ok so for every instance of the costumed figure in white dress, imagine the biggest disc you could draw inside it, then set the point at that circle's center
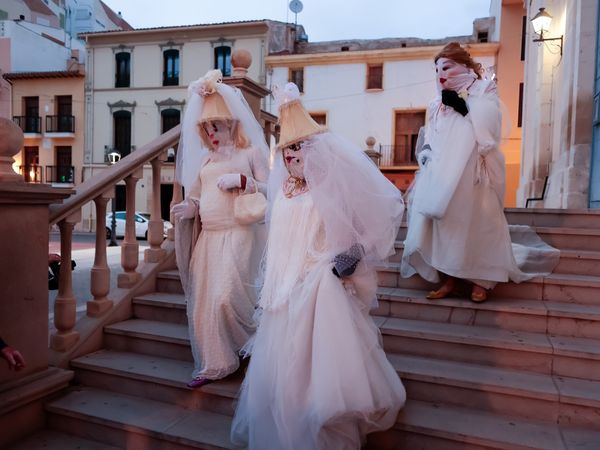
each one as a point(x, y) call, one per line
point(222, 158)
point(456, 225)
point(318, 378)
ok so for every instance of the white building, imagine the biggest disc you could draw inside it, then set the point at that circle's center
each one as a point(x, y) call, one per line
point(374, 88)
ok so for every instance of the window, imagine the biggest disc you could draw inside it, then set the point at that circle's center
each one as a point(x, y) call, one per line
point(122, 132)
point(320, 118)
point(408, 125)
point(32, 114)
point(171, 68)
point(375, 76)
point(63, 121)
point(223, 60)
point(31, 170)
point(64, 169)
point(520, 112)
point(170, 118)
point(482, 36)
point(296, 76)
point(122, 76)
point(524, 36)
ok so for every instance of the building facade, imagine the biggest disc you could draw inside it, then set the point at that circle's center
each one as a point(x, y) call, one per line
point(375, 89)
point(560, 163)
point(136, 86)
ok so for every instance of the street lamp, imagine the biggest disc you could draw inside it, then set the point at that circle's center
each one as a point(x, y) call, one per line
point(113, 158)
point(541, 24)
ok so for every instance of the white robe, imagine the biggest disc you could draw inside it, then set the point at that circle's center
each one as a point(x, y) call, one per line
point(318, 378)
point(220, 278)
point(456, 223)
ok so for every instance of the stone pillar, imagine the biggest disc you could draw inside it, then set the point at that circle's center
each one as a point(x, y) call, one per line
point(371, 152)
point(24, 299)
point(252, 91)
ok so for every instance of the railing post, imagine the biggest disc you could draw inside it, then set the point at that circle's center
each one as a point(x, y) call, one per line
point(100, 273)
point(65, 304)
point(155, 226)
point(130, 247)
point(177, 198)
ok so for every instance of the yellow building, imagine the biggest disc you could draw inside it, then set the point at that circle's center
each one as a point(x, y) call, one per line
point(49, 108)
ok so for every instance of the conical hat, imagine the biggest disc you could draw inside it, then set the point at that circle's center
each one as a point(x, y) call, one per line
point(295, 124)
point(214, 108)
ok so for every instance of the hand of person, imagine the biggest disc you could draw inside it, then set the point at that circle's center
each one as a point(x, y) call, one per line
point(424, 156)
point(229, 181)
point(345, 263)
point(13, 357)
point(187, 209)
point(453, 100)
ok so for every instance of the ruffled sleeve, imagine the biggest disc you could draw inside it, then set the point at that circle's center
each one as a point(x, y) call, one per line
point(485, 115)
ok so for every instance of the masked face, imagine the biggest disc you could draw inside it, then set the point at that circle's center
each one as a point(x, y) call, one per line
point(218, 132)
point(452, 75)
point(293, 158)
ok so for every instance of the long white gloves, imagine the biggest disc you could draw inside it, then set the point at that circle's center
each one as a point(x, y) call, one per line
point(229, 181)
point(187, 209)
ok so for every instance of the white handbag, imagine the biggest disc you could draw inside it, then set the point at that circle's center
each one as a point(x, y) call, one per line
point(249, 208)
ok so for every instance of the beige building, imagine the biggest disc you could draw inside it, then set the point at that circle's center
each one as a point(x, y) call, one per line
point(49, 108)
point(136, 85)
point(560, 162)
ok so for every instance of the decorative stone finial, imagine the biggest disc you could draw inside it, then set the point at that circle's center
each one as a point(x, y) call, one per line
point(371, 152)
point(11, 142)
point(240, 61)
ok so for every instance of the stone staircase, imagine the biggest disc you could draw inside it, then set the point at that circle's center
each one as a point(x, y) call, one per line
point(520, 371)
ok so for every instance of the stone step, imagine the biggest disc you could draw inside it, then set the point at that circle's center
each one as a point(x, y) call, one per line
point(435, 426)
point(537, 316)
point(137, 423)
point(529, 395)
point(169, 281)
point(576, 262)
point(535, 352)
point(555, 287)
point(565, 238)
point(581, 218)
point(55, 440)
point(161, 306)
point(156, 378)
point(149, 337)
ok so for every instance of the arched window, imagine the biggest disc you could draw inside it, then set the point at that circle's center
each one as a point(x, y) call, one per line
point(122, 132)
point(122, 76)
point(223, 59)
point(171, 67)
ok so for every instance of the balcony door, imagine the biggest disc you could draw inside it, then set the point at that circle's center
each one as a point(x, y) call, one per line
point(31, 169)
point(64, 168)
point(122, 132)
point(408, 124)
point(32, 114)
point(64, 109)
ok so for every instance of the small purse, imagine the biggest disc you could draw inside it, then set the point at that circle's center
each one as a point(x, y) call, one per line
point(249, 208)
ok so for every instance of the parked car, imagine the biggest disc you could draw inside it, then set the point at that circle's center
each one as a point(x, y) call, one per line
point(141, 224)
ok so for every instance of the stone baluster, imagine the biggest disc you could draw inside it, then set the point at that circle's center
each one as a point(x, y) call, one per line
point(155, 227)
point(65, 306)
point(100, 273)
point(177, 198)
point(130, 247)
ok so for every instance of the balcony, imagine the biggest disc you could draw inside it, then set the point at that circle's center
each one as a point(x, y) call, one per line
point(32, 174)
point(29, 124)
point(60, 174)
point(60, 124)
point(397, 155)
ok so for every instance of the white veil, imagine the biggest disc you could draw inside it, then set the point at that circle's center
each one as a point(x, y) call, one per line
point(192, 152)
point(355, 201)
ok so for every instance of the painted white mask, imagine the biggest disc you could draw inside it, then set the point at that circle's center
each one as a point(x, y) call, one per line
point(219, 134)
point(452, 75)
point(293, 158)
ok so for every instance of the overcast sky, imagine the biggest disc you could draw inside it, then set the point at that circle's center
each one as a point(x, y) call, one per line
point(323, 20)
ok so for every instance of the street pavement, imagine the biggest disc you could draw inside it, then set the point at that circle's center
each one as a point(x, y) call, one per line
point(83, 254)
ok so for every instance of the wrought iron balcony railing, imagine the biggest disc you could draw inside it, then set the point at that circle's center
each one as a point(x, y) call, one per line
point(60, 174)
point(396, 155)
point(32, 174)
point(60, 124)
point(29, 124)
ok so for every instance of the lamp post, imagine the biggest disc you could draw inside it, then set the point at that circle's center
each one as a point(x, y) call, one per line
point(113, 158)
point(541, 24)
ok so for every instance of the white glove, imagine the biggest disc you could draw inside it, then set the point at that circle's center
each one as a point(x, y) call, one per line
point(229, 181)
point(187, 209)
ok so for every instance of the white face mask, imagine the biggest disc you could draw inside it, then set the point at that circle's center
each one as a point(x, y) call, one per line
point(219, 134)
point(293, 158)
point(452, 75)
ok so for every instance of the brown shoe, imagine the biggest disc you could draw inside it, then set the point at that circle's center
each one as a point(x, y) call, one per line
point(478, 295)
point(440, 293)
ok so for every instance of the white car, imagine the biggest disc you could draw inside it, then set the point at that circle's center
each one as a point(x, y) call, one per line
point(141, 224)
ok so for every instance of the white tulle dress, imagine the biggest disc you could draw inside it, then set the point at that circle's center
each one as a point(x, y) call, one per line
point(318, 378)
point(456, 222)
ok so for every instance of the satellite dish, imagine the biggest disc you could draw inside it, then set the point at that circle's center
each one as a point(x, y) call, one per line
point(296, 6)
